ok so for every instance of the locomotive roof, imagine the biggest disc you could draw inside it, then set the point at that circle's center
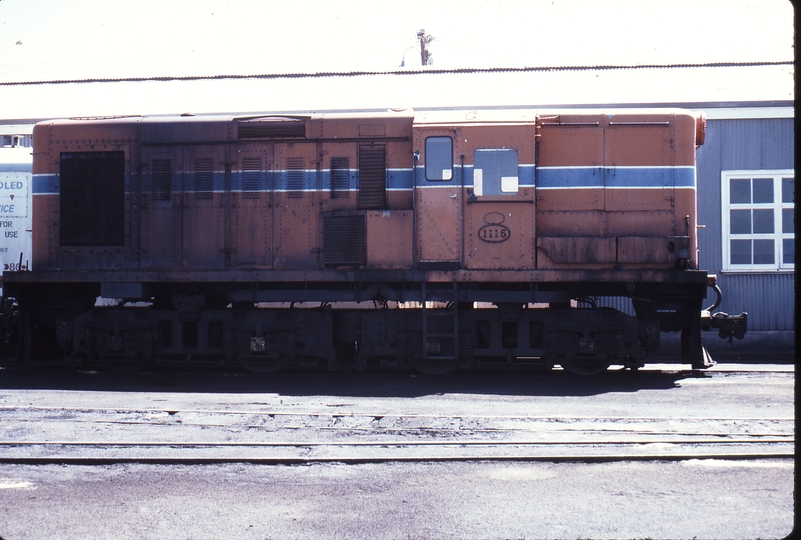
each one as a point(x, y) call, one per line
point(456, 116)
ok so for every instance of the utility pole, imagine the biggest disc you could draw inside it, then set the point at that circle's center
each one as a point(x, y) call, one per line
point(425, 56)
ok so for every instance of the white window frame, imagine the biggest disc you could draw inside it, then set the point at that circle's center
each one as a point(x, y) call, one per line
point(777, 235)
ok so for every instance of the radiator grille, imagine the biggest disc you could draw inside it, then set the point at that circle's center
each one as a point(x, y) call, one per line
point(295, 173)
point(340, 173)
point(162, 179)
point(343, 240)
point(251, 178)
point(372, 177)
point(204, 178)
point(272, 130)
point(92, 199)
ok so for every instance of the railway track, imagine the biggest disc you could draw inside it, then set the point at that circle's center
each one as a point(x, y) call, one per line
point(111, 435)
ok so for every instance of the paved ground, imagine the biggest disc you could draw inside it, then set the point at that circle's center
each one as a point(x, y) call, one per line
point(694, 499)
point(688, 498)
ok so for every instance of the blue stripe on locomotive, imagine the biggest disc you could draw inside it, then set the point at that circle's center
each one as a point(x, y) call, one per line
point(401, 179)
point(615, 177)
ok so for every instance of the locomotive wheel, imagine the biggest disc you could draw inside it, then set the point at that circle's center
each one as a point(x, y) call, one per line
point(584, 366)
point(124, 363)
point(263, 364)
point(434, 366)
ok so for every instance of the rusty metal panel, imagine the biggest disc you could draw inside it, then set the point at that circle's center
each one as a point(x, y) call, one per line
point(570, 156)
point(500, 236)
point(251, 206)
point(651, 249)
point(575, 250)
point(161, 231)
point(296, 234)
point(204, 198)
point(638, 166)
point(642, 223)
point(390, 239)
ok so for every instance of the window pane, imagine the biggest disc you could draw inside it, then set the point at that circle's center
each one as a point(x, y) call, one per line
point(439, 158)
point(788, 190)
point(495, 171)
point(741, 251)
point(788, 246)
point(788, 220)
point(763, 252)
point(763, 221)
point(740, 191)
point(740, 221)
point(763, 190)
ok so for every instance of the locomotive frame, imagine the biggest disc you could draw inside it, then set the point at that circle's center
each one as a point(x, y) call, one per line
point(438, 239)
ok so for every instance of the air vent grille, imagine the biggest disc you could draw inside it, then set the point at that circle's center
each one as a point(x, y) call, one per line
point(92, 199)
point(340, 173)
point(251, 178)
point(372, 176)
point(343, 240)
point(162, 179)
point(295, 176)
point(204, 178)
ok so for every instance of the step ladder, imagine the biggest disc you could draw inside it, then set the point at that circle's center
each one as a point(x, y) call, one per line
point(440, 324)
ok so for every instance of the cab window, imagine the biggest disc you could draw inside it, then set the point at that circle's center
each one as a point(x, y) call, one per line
point(495, 172)
point(439, 158)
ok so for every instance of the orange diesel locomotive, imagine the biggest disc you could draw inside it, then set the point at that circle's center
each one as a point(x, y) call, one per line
point(438, 239)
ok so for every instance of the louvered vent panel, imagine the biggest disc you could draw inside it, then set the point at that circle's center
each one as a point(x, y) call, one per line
point(92, 199)
point(272, 130)
point(204, 178)
point(162, 179)
point(372, 177)
point(251, 178)
point(295, 173)
point(343, 240)
point(340, 173)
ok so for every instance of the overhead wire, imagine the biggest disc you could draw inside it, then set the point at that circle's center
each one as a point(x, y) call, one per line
point(406, 72)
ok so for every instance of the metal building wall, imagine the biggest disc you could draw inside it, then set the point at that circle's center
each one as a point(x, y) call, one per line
point(744, 144)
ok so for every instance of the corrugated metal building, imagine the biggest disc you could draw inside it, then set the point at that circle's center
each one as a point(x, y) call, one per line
point(746, 179)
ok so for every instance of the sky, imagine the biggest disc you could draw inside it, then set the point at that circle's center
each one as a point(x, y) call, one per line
point(45, 40)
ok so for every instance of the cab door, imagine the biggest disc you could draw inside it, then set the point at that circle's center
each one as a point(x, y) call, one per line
point(499, 207)
point(439, 199)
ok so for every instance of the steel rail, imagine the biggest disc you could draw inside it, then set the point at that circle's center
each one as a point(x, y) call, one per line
point(257, 460)
point(433, 429)
point(379, 416)
point(299, 444)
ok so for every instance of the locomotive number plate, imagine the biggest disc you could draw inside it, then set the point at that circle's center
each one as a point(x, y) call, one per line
point(494, 232)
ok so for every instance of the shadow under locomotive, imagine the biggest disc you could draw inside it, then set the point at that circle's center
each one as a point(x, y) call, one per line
point(367, 384)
